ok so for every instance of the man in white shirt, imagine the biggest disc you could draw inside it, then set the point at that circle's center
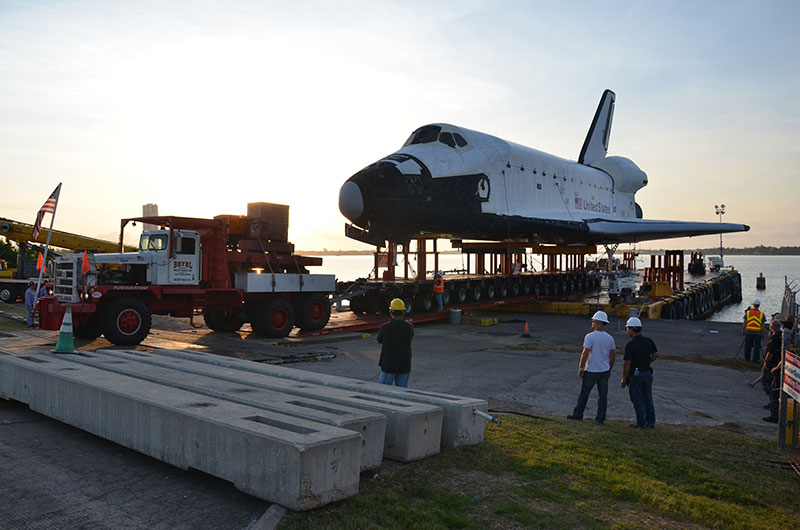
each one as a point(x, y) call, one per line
point(594, 368)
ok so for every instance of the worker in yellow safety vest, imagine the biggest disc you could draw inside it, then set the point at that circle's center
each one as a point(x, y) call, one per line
point(438, 290)
point(753, 330)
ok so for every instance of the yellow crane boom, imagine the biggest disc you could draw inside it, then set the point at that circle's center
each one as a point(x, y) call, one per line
point(23, 233)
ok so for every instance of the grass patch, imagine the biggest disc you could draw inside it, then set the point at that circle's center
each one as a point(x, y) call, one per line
point(533, 473)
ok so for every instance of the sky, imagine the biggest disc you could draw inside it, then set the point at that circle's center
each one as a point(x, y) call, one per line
point(204, 106)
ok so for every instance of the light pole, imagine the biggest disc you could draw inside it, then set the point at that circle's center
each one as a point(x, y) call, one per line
point(720, 211)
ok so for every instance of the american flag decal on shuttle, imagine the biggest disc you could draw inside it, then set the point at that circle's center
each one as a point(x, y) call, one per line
point(578, 203)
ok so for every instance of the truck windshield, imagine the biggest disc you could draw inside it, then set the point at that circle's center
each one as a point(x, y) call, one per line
point(153, 242)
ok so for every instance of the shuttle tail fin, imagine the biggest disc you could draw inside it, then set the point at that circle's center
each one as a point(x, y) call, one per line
point(595, 146)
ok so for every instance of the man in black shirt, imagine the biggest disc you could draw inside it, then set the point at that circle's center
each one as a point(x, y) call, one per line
point(395, 337)
point(637, 374)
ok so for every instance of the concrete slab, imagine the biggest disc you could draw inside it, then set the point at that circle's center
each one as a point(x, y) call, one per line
point(460, 425)
point(413, 430)
point(296, 463)
point(370, 425)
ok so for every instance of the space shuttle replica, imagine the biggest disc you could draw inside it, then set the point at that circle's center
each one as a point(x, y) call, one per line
point(463, 184)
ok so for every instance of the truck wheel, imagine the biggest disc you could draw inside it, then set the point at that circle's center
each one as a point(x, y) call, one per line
point(314, 312)
point(502, 291)
point(515, 289)
point(274, 320)
point(7, 295)
point(126, 322)
point(217, 320)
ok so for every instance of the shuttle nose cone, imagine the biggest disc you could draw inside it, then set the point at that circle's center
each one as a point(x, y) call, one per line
point(351, 201)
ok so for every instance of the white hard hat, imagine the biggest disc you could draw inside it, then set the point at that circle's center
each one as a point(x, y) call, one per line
point(633, 322)
point(756, 302)
point(600, 316)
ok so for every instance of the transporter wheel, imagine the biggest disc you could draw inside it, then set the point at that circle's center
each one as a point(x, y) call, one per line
point(7, 295)
point(217, 320)
point(357, 304)
point(475, 293)
point(526, 287)
point(424, 302)
point(314, 312)
point(537, 289)
point(545, 288)
point(408, 301)
point(490, 292)
point(554, 287)
point(274, 319)
point(515, 289)
point(502, 291)
point(459, 295)
point(126, 322)
point(447, 297)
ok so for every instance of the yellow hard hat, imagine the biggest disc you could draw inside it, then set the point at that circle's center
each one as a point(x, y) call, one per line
point(397, 305)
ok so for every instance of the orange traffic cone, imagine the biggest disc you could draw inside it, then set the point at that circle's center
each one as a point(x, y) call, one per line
point(525, 333)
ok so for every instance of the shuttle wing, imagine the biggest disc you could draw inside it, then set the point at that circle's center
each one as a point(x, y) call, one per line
point(624, 231)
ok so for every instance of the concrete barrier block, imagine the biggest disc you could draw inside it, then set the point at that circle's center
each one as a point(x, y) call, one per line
point(460, 425)
point(293, 462)
point(370, 425)
point(413, 430)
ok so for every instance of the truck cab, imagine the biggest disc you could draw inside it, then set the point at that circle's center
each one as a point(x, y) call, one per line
point(157, 261)
point(179, 267)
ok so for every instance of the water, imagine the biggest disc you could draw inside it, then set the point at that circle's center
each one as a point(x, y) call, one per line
point(774, 268)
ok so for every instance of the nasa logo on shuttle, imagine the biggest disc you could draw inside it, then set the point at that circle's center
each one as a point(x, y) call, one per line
point(484, 189)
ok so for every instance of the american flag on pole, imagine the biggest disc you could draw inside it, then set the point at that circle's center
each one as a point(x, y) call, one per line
point(49, 206)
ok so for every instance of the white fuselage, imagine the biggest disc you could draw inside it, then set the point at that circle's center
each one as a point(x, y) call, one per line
point(526, 182)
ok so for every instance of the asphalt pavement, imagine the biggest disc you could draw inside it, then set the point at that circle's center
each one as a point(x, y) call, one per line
point(56, 476)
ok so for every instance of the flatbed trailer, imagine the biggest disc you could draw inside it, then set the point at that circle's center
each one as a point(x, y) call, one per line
point(494, 271)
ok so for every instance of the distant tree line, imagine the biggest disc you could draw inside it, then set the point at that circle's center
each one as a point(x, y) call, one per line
point(760, 250)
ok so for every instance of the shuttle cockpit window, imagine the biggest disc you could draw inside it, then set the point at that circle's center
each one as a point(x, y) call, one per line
point(424, 135)
point(447, 139)
point(459, 140)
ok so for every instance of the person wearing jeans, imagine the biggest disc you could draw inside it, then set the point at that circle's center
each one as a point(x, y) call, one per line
point(637, 374)
point(594, 368)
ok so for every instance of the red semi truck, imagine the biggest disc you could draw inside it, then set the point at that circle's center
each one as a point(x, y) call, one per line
point(234, 268)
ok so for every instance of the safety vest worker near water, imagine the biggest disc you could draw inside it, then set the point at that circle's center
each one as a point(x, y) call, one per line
point(438, 290)
point(753, 329)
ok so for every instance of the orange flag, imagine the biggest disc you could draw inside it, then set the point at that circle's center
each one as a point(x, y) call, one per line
point(39, 262)
point(85, 266)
